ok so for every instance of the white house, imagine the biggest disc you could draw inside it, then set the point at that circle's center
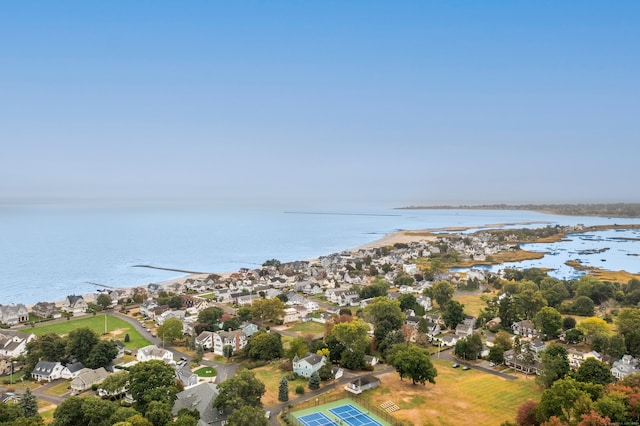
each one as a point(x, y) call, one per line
point(74, 304)
point(13, 314)
point(205, 339)
point(236, 339)
point(13, 343)
point(361, 384)
point(308, 365)
point(625, 366)
point(425, 302)
point(152, 352)
point(47, 371)
point(524, 328)
point(576, 357)
point(291, 315)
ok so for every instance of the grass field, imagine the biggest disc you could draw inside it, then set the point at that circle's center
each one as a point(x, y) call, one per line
point(487, 399)
point(116, 329)
point(309, 327)
point(473, 303)
point(59, 389)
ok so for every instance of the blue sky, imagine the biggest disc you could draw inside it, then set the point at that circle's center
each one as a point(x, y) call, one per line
point(327, 103)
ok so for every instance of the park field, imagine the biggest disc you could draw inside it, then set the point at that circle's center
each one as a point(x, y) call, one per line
point(457, 397)
point(116, 329)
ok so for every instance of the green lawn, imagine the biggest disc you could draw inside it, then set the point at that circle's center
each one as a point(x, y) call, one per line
point(309, 327)
point(487, 399)
point(206, 372)
point(59, 389)
point(116, 329)
point(209, 296)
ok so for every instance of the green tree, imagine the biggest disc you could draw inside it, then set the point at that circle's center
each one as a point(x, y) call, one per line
point(283, 390)
point(442, 292)
point(97, 412)
point(232, 323)
point(49, 347)
point(583, 306)
point(549, 322)
point(122, 414)
point(594, 371)
point(152, 381)
point(496, 354)
point(573, 336)
point(69, 413)
point(336, 348)
point(314, 381)
point(566, 399)
point(377, 288)
point(453, 313)
point(568, 323)
point(243, 389)
point(80, 343)
point(412, 362)
point(116, 385)
point(529, 302)
point(613, 407)
point(170, 330)
point(353, 334)
point(103, 300)
point(264, 346)
point(101, 355)
point(211, 317)
point(267, 310)
point(159, 413)
point(297, 347)
point(248, 415)
point(407, 301)
point(385, 315)
point(592, 326)
point(469, 347)
point(29, 403)
point(227, 351)
point(555, 364)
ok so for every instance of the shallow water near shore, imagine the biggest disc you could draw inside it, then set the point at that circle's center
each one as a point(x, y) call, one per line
point(50, 251)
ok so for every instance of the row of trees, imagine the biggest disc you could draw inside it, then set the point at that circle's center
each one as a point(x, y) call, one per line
point(82, 344)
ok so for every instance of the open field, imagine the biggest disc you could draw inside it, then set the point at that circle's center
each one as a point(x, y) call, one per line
point(473, 303)
point(309, 327)
point(456, 395)
point(116, 329)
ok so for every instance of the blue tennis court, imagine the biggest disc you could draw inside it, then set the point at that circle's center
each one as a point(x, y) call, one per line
point(352, 416)
point(317, 419)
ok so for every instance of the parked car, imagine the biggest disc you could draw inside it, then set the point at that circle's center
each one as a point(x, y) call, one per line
point(492, 364)
point(455, 365)
point(466, 367)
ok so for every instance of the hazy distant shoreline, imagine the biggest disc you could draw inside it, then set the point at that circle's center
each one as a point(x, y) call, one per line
point(601, 210)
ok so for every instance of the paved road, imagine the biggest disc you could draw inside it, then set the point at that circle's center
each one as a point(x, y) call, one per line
point(447, 355)
point(225, 371)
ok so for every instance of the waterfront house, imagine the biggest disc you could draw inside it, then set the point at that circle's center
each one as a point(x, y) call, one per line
point(74, 304)
point(45, 310)
point(13, 314)
point(308, 365)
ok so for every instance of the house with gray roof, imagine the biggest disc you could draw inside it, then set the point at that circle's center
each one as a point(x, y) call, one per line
point(87, 378)
point(625, 366)
point(14, 343)
point(13, 314)
point(45, 310)
point(47, 371)
point(74, 304)
point(201, 398)
point(309, 364)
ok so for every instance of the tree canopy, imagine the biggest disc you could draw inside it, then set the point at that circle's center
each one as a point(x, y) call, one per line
point(243, 389)
point(412, 362)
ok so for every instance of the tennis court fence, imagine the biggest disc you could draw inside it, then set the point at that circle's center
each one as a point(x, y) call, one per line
point(290, 419)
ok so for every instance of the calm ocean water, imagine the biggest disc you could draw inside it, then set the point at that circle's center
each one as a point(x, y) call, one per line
point(50, 251)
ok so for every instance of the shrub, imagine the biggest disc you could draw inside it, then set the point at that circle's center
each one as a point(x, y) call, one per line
point(300, 390)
